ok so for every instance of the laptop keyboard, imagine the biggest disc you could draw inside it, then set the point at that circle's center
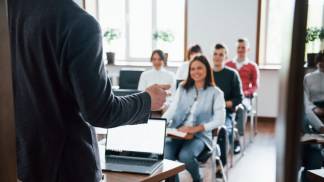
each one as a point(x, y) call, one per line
point(130, 161)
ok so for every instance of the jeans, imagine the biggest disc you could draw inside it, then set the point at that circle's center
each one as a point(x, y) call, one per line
point(185, 151)
point(241, 117)
point(229, 127)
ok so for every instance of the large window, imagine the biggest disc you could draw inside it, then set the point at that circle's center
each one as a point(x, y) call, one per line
point(273, 11)
point(136, 21)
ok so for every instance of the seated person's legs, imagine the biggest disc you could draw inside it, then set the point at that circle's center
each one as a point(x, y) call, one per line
point(189, 151)
point(229, 127)
point(222, 142)
point(172, 149)
point(241, 117)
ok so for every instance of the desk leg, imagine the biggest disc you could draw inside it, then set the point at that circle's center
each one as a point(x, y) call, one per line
point(171, 179)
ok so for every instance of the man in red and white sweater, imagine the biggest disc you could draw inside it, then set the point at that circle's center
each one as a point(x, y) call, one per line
point(247, 69)
point(249, 74)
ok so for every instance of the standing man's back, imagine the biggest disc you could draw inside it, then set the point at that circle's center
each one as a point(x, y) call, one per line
point(60, 89)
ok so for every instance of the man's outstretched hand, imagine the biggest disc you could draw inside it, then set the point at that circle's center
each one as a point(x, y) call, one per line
point(158, 95)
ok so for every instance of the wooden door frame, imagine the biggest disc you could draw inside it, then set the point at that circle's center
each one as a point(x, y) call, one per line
point(288, 125)
point(7, 122)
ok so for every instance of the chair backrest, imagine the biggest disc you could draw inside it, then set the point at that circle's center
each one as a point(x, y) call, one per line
point(129, 78)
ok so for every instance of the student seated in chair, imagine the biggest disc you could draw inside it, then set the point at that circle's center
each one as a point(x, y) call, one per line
point(197, 109)
point(158, 74)
point(182, 72)
point(313, 94)
point(249, 74)
point(228, 80)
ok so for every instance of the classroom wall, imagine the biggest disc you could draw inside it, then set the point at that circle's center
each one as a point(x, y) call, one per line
point(212, 21)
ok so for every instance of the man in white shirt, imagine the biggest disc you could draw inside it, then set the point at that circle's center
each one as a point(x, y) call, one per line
point(158, 74)
point(314, 92)
point(312, 157)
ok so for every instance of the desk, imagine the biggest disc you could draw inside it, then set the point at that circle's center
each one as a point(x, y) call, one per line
point(166, 171)
point(316, 175)
point(312, 138)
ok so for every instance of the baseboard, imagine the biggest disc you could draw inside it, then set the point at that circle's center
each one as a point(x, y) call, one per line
point(267, 119)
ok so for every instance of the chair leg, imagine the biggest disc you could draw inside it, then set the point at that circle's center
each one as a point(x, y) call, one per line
point(224, 176)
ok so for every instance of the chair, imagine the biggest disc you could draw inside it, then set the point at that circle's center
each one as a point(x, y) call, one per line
point(253, 116)
point(129, 78)
point(214, 154)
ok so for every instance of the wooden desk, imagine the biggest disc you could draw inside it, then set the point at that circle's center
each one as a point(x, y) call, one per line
point(316, 175)
point(167, 171)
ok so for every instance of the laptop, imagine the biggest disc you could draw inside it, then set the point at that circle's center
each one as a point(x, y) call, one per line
point(136, 148)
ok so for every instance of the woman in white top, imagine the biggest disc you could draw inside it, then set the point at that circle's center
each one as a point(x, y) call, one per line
point(182, 72)
point(158, 74)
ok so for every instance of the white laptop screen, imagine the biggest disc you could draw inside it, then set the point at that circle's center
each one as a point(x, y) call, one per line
point(146, 138)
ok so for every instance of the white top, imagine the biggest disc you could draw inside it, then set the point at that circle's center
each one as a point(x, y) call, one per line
point(241, 63)
point(182, 72)
point(313, 91)
point(153, 76)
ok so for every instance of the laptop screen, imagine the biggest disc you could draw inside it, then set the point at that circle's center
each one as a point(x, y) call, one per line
point(143, 138)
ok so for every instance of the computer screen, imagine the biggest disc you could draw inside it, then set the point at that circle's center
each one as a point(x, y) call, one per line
point(146, 138)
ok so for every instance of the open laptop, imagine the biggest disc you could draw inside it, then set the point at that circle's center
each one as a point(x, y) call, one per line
point(136, 148)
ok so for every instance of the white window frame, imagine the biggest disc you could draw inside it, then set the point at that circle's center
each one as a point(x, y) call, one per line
point(128, 58)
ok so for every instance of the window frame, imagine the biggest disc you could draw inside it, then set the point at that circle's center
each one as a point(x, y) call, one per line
point(128, 57)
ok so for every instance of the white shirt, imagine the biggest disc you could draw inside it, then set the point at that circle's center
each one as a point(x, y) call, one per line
point(313, 91)
point(241, 63)
point(153, 76)
point(182, 72)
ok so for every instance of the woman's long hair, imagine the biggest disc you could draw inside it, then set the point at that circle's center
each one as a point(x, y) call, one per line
point(209, 80)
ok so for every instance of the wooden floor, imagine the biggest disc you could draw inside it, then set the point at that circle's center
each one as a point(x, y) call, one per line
point(256, 165)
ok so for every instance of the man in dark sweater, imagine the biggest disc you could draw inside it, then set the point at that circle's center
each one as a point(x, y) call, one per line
point(61, 90)
point(229, 82)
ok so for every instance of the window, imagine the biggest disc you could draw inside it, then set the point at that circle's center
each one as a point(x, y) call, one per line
point(271, 40)
point(315, 18)
point(137, 21)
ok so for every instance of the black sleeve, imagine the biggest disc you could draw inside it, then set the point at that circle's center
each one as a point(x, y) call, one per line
point(237, 90)
point(90, 84)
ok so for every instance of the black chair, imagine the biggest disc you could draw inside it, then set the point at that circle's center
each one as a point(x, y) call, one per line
point(129, 78)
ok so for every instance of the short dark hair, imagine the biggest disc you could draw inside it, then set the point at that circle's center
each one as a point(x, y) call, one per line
point(160, 53)
point(244, 40)
point(319, 57)
point(221, 46)
point(209, 80)
point(194, 49)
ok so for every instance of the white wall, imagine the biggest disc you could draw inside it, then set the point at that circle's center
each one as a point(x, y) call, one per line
point(213, 21)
